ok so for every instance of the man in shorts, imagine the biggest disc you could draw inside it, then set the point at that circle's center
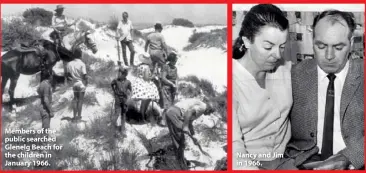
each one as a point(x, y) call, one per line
point(179, 119)
point(157, 47)
point(76, 74)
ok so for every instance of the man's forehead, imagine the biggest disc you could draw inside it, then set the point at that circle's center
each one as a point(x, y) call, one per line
point(332, 21)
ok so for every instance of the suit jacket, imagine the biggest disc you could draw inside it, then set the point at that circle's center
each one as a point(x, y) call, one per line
point(304, 113)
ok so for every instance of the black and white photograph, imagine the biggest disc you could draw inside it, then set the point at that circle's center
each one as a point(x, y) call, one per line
point(298, 87)
point(114, 86)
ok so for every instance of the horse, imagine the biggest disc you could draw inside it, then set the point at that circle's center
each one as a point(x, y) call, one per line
point(29, 60)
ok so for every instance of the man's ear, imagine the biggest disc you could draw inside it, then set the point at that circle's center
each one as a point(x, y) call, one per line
point(247, 42)
point(352, 40)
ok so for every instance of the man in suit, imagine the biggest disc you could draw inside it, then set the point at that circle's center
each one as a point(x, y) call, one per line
point(327, 117)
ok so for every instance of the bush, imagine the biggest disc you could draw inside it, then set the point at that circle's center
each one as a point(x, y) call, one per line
point(221, 101)
point(196, 36)
point(205, 85)
point(182, 22)
point(137, 34)
point(189, 91)
point(16, 32)
point(215, 38)
point(35, 16)
point(113, 23)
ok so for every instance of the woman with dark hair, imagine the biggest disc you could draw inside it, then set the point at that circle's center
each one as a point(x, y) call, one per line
point(262, 93)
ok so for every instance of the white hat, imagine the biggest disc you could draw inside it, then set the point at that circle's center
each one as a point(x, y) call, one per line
point(145, 58)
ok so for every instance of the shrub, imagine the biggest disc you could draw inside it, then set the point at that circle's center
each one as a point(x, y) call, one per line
point(16, 32)
point(205, 85)
point(137, 34)
point(215, 38)
point(182, 22)
point(122, 159)
point(196, 36)
point(221, 101)
point(103, 73)
point(90, 99)
point(113, 23)
point(97, 128)
point(189, 91)
point(35, 16)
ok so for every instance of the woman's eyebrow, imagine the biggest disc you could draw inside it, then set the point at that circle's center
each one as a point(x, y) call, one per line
point(269, 42)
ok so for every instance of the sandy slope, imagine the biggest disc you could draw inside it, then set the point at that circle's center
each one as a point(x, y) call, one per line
point(205, 63)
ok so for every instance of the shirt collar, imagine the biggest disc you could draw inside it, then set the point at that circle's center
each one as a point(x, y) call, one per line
point(340, 75)
point(239, 72)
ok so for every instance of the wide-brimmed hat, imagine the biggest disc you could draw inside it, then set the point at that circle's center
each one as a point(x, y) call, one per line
point(145, 58)
point(59, 7)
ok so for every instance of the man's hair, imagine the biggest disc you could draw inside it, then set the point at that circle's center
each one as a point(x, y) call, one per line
point(123, 70)
point(158, 26)
point(45, 74)
point(172, 57)
point(336, 16)
point(209, 103)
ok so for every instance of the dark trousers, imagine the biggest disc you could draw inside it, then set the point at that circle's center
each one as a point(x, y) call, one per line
point(158, 84)
point(120, 109)
point(158, 59)
point(176, 133)
point(168, 93)
point(46, 120)
point(279, 164)
point(128, 44)
point(316, 158)
point(59, 36)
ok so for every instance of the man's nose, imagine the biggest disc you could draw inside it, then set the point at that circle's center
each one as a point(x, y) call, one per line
point(329, 54)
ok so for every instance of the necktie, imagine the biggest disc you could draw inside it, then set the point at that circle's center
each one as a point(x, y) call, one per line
point(327, 145)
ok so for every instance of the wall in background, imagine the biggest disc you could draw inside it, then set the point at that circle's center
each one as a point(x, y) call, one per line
point(299, 46)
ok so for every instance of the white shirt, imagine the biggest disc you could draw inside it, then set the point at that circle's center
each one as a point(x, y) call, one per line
point(60, 22)
point(124, 30)
point(189, 104)
point(260, 116)
point(323, 82)
point(76, 69)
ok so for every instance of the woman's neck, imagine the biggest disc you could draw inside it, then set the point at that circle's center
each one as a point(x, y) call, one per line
point(248, 63)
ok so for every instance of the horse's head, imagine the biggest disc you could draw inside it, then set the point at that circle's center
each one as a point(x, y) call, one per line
point(90, 42)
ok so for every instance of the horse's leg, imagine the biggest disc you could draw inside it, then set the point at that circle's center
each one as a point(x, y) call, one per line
point(13, 84)
point(53, 82)
point(65, 72)
point(4, 80)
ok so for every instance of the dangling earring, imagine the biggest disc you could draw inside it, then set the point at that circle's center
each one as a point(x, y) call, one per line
point(241, 47)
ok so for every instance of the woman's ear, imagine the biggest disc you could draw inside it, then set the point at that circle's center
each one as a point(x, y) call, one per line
point(246, 41)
